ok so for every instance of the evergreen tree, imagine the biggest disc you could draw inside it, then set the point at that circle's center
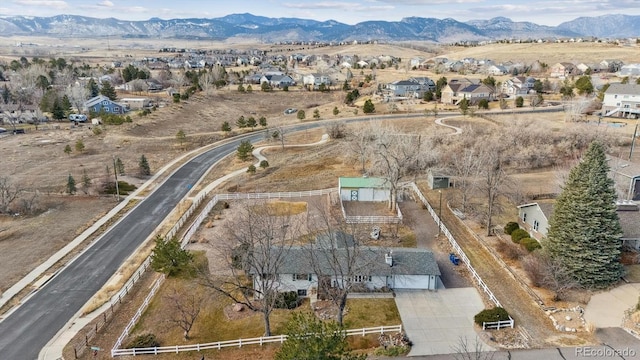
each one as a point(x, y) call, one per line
point(66, 104)
point(368, 107)
point(251, 122)
point(584, 231)
point(226, 127)
point(244, 150)
point(119, 166)
point(94, 90)
point(108, 90)
point(67, 149)
point(6, 94)
point(464, 106)
point(241, 122)
point(57, 111)
point(169, 257)
point(71, 185)
point(143, 165)
point(311, 338)
point(181, 137)
point(80, 146)
point(86, 182)
point(263, 121)
point(519, 101)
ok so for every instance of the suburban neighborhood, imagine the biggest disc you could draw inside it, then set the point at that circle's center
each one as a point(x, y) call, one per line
point(245, 199)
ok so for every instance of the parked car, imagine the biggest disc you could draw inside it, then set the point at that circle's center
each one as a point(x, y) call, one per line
point(290, 111)
point(77, 117)
point(3, 130)
point(18, 131)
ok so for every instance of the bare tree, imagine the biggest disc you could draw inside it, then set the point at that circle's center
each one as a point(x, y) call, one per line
point(466, 168)
point(475, 351)
point(206, 81)
point(361, 144)
point(9, 192)
point(576, 108)
point(77, 95)
point(549, 273)
point(261, 236)
point(494, 178)
point(185, 305)
point(397, 156)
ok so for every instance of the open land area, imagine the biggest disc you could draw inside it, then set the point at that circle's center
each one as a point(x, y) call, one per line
point(543, 146)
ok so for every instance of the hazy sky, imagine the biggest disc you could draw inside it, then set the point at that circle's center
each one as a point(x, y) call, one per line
point(544, 12)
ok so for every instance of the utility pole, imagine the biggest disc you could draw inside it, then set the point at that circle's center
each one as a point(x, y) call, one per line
point(115, 172)
point(633, 141)
point(440, 212)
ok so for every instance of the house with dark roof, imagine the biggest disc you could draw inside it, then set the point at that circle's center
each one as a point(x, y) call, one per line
point(473, 91)
point(534, 218)
point(626, 176)
point(414, 87)
point(622, 100)
point(374, 268)
point(103, 103)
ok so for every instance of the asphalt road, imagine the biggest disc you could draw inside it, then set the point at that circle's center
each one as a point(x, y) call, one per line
point(30, 327)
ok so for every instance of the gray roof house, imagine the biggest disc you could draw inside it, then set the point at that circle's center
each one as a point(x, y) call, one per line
point(622, 100)
point(534, 218)
point(103, 103)
point(626, 176)
point(373, 268)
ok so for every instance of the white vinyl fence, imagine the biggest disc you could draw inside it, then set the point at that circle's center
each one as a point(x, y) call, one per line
point(461, 255)
point(241, 342)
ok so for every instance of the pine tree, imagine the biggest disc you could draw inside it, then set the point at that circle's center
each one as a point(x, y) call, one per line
point(368, 107)
point(80, 146)
point(93, 88)
point(86, 182)
point(226, 127)
point(67, 149)
point(584, 231)
point(57, 111)
point(119, 166)
point(71, 185)
point(143, 164)
point(244, 150)
point(108, 90)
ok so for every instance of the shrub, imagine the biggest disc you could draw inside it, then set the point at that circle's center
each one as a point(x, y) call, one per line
point(251, 169)
point(530, 244)
point(510, 251)
point(510, 227)
point(143, 341)
point(491, 315)
point(287, 300)
point(518, 234)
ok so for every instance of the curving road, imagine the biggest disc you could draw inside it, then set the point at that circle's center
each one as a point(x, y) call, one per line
point(25, 331)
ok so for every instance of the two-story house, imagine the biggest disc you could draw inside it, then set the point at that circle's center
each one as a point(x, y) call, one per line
point(473, 91)
point(622, 100)
point(413, 87)
point(315, 80)
point(103, 103)
point(518, 85)
point(562, 70)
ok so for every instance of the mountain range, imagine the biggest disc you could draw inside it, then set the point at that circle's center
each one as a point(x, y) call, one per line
point(265, 29)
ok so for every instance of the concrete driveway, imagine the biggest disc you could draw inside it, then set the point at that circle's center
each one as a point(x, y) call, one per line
point(606, 309)
point(435, 321)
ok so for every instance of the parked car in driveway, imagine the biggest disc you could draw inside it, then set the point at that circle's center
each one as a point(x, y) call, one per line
point(290, 111)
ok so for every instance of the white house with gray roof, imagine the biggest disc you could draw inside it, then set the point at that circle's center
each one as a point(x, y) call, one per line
point(622, 100)
point(392, 268)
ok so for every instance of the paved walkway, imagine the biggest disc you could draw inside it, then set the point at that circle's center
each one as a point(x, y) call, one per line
point(435, 321)
point(607, 308)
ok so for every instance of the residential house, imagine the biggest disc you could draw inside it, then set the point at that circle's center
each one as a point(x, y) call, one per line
point(363, 189)
point(315, 80)
point(103, 103)
point(458, 89)
point(413, 87)
point(562, 70)
point(611, 65)
point(278, 81)
point(518, 85)
point(632, 70)
point(136, 103)
point(583, 68)
point(534, 218)
point(373, 268)
point(497, 70)
point(626, 176)
point(622, 100)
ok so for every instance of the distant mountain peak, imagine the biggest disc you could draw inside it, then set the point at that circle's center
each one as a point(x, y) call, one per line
point(249, 26)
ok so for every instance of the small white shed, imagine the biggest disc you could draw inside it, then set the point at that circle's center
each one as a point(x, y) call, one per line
point(363, 189)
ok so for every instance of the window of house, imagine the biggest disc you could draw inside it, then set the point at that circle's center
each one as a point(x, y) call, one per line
point(302, 277)
point(302, 292)
point(105, 102)
point(524, 217)
point(535, 225)
point(115, 109)
point(361, 278)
